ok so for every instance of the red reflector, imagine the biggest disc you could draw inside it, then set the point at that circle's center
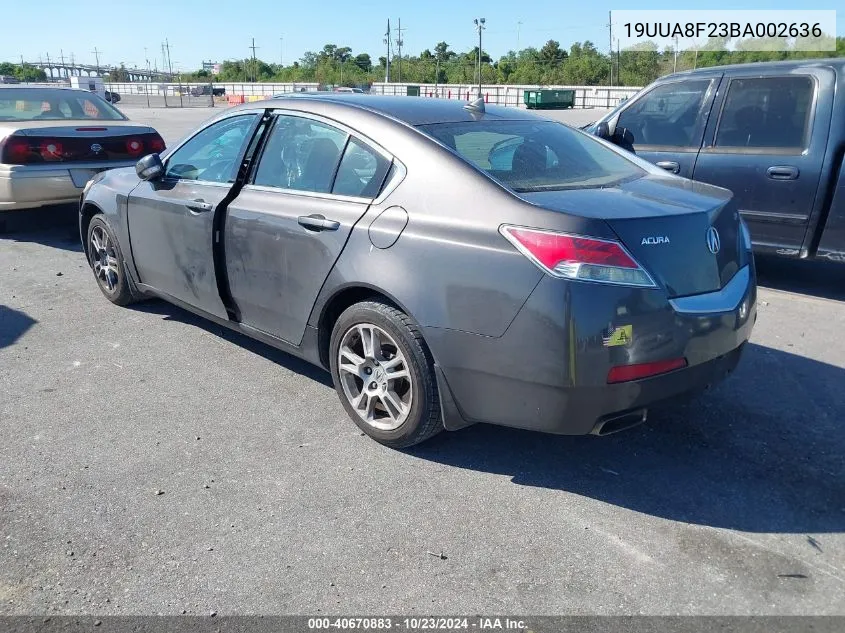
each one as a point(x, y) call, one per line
point(624, 373)
point(51, 150)
point(15, 152)
point(551, 249)
point(91, 129)
point(134, 146)
point(157, 144)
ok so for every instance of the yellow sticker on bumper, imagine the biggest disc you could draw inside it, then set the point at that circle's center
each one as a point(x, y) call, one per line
point(622, 335)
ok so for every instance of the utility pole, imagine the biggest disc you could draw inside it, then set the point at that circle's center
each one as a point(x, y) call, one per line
point(23, 69)
point(618, 63)
point(479, 25)
point(610, 39)
point(97, 58)
point(282, 51)
point(518, 28)
point(62, 57)
point(49, 66)
point(387, 59)
point(675, 67)
point(254, 66)
point(399, 43)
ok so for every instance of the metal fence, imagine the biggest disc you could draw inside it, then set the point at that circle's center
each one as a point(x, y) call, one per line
point(204, 95)
point(509, 95)
point(185, 95)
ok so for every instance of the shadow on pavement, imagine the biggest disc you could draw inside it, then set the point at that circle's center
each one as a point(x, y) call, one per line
point(762, 452)
point(821, 278)
point(13, 325)
point(52, 226)
point(292, 363)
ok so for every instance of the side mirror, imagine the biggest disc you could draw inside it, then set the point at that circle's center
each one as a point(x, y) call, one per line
point(149, 167)
point(625, 138)
point(603, 130)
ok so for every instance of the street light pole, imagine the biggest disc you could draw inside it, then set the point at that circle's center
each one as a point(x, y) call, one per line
point(479, 25)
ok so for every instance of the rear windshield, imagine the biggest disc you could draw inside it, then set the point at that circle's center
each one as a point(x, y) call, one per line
point(38, 104)
point(535, 155)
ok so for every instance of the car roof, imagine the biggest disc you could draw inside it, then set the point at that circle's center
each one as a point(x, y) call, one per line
point(410, 110)
point(836, 62)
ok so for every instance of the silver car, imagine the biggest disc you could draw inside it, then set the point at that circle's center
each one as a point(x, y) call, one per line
point(53, 141)
point(447, 264)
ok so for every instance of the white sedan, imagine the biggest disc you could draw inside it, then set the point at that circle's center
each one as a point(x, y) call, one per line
point(53, 141)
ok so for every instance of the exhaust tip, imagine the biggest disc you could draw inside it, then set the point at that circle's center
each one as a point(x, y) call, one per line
point(617, 423)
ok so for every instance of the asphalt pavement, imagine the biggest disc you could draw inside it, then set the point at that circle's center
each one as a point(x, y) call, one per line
point(153, 462)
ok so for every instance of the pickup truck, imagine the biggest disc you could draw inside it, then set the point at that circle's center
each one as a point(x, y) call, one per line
point(198, 91)
point(773, 133)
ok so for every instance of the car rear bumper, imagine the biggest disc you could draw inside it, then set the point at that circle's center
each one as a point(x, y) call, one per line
point(28, 187)
point(549, 371)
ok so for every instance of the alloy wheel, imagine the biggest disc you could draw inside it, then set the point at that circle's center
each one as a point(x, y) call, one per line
point(104, 259)
point(375, 376)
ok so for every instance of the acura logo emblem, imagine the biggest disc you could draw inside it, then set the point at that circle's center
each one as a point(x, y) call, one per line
point(96, 147)
point(713, 242)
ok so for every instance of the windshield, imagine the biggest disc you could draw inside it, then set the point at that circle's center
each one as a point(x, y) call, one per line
point(38, 104)
point(535, 155)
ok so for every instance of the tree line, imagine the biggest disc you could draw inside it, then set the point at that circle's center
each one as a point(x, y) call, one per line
point(582, 64)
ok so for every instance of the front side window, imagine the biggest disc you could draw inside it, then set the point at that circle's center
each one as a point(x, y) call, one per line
point(213, 154)
point(38, 104)
point(535, 155)
point(668, 116)
point(300, 154)
point(766, 112)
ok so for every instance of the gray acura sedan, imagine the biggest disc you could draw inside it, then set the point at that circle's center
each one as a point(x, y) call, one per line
point(447, 263)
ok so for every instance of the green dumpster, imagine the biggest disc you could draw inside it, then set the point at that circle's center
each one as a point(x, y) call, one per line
point(549, 99)
point(413, 91)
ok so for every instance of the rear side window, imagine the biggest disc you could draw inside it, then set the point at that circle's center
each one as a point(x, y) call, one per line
point(766, 112)
point(361, 172)
point(535, 155)
point(668, 116)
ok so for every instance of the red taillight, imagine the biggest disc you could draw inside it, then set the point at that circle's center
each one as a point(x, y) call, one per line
point(156, 143)
point(624, 373)
point(15, 151)
point(578, 257)
point(51, 149)
point(134, 146)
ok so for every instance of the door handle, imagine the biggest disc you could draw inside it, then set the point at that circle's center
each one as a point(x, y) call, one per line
point(782, 172)
point(317, 222)
point(199, 206)
point(669, 165)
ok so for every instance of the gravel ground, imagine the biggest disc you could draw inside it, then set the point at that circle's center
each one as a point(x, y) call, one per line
point(156, 463)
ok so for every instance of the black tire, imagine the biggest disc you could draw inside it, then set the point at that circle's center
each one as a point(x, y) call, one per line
point(423, 419)
point(121, 291)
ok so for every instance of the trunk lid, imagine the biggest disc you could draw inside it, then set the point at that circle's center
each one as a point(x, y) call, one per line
point(664, 224)
point(86, 141)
